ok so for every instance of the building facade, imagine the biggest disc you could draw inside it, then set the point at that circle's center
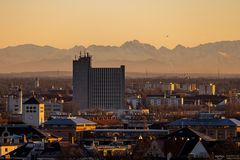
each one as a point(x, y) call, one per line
point(68, 128)
point(33, 112)
point(207, 89)
point(208, 124)
point(52, 108)
point(97, 88)
point(15, 102)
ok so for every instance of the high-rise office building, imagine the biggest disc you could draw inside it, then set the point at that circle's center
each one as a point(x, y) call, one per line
point(97, 88)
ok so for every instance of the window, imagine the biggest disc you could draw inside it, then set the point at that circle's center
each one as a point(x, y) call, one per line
point(6, 149)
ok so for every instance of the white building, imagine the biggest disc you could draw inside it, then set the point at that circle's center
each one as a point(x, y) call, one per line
point(148, 85)
point(33, 112)
point(135, 101)
point(153, 100)
point(207, 89)
point(167, 87)
point(175, 101)
point(199, 151)
point(52, 108)
point(158, 100)
point(187, 87)
point(36, 83)
point(15, 102)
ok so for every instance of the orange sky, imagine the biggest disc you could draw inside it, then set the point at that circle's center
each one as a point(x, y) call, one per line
point(65, 23)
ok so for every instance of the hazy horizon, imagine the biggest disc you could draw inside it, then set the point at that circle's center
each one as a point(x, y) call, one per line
point(212, 58)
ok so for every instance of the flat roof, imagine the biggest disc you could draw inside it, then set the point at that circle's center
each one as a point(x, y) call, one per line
point(206, 122)
point(69, 121)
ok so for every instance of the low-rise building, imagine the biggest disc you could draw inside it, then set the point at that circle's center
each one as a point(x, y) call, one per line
point(207, 89)
point(52, 108)
point(160, 100)
point(206, 123)
point(15, 101)
point(154, 100)
point(33, 112)
point(125, 136)
point(185, 143)
point(69, 128)
point(6, 148)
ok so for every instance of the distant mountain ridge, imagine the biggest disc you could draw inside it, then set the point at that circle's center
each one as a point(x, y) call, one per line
point(223, 57)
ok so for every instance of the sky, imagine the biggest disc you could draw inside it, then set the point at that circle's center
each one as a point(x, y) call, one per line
point(66, 23)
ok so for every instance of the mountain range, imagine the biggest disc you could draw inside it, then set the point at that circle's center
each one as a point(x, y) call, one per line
point(210, 58)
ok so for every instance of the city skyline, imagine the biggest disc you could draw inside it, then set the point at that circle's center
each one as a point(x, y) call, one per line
point(119, 79)
point(64, 24)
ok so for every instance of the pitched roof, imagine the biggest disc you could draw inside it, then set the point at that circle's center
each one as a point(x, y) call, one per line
point(22, 151)
point(181, 142)
point(188, 133)
point(68, 121)
point(226, 147)
point(23, 129)
point(32, 100)
point(51, 150)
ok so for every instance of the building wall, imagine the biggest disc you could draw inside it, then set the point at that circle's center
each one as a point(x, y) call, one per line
point(5, 149)
point(68, 131)
point(33, 114)
point(169, 101)
point(80, 82)
point(167, 87)
point(215, 132)
point(97, 88)
point(64, 131)
point(106, 89)
point(52, 108)
point(15, 103)
point(207, 89)
point(154, 101)
point(199, 151)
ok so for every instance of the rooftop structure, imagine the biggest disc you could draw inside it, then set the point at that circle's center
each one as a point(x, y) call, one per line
point(33, 112)
point(68, 128)
point(69, 121)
